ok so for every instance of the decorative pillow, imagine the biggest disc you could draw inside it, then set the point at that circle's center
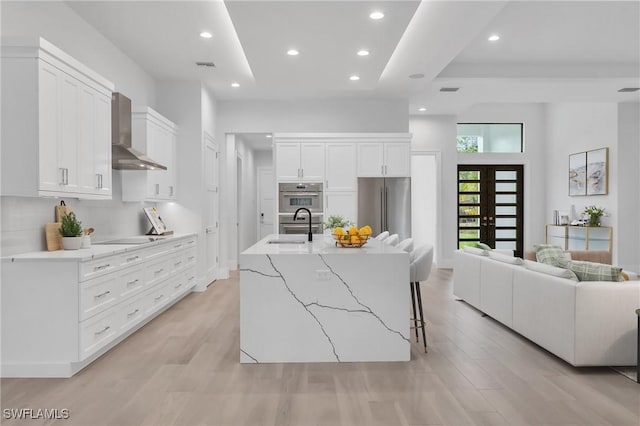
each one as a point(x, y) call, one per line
point(474, 250)
point(483, 246)
point(506, 259)
point(590, 271)
point(548, 254)
point(550, 270)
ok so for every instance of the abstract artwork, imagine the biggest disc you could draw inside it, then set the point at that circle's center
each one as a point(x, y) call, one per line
point(578, 173)
point(597, 172)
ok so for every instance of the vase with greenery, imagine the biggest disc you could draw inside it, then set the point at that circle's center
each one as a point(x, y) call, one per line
point(71, 231)
point(335, 221)
point(594, 214)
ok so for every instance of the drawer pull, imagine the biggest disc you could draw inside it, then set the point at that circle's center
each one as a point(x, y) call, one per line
point(190, 258)
point(97, 333)
point(178, 263)
point(159, 271)
point(191, 279)
point(177, 246)
point(158, 298)
point(177, 285)
point(130, 283)
point(130, 314)
point(101, 267)
point(98, 296)
point(131, 259)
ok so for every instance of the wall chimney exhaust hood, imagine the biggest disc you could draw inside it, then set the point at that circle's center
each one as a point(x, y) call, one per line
point(123, 156)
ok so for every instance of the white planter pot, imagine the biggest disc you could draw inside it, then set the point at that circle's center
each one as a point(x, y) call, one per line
point(71, 243)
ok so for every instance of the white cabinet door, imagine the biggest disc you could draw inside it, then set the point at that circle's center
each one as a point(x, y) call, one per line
point(340, 168)
point(50, 174)
point(370, 159)
point(288, 161)
point(155, 178)
point(87, 182)
point(312, 161)
point(397, 159)
point(68, 137)
point(344, 204)
point(102, 146)
point(170, 152)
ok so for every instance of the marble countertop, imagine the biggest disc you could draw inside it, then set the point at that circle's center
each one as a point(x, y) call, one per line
point(321, 244)
point(96, 251)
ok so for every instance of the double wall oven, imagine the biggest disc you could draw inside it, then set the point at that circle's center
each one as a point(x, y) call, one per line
point(292, 196)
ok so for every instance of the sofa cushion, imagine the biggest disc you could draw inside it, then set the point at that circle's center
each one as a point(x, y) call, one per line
point(483, 246)
point(548, 254)
point(506, 259)
point(550, 270)
point(591, 271)
point(475, 250)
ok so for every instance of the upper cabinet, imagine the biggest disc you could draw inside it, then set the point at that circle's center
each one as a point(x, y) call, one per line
point(340, 170)
point(300, 161)
point(56, 125)
point(384, 159)
point(156, 136)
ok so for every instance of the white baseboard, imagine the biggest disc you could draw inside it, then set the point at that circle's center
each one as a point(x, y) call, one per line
point(445, 264)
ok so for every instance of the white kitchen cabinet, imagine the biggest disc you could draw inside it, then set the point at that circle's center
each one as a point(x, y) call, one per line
point(62, 310)
point(342, 203)
point(155, 136)
point(56, 125)
point(340, 167)
point(384, 159)
point(300, 161)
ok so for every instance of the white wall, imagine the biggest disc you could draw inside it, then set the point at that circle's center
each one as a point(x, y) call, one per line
point(264, 116)
point(575, 128)
point(247, 217)
point(23, 219)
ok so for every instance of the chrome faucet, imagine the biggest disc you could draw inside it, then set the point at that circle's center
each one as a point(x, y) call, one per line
point(295, 215)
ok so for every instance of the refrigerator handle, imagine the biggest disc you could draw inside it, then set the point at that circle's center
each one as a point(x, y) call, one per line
point(382, 210)
point(386, 208)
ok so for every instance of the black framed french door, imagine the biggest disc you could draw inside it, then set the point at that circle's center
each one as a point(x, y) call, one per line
point(491, 206)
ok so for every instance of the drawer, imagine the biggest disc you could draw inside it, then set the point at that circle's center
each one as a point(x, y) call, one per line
point(97, 332)
point(190, 257)
point(132, 312)
point(157, 251)
point(95, 268)
point(133, 258)
point(98, 295)
point(158, 271)
point(177, 263)
point(131, 281)
point(157, 298)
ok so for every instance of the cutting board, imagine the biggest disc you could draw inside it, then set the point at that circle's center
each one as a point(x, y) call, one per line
point(52, 233)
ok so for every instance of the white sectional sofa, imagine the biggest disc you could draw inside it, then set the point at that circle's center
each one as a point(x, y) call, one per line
point(584, 323)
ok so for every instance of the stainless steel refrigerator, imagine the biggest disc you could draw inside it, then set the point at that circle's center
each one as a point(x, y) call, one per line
point(385, 205)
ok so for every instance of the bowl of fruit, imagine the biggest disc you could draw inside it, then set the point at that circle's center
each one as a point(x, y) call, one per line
point(353, 237)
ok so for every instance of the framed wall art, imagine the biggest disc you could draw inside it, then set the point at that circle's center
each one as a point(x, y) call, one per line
point(578, 174)
point(597, 178)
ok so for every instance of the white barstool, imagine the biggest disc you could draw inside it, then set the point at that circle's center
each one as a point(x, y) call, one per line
point(420, 268)
point(406, 245)
point(382, 236)
point(392, 240)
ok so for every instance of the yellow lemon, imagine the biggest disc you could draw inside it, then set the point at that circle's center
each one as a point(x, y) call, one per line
point(355, 239)
point(339, 231)
point(365, 230)
point(353, 231)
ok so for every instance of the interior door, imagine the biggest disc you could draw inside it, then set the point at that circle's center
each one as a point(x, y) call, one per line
point(211, 168)
point(491, 206)
point(266, 202)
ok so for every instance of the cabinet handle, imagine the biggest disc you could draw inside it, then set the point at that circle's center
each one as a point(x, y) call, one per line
point(171, 191)
point(157, 189)
point(158, 298)
point(178, 263)
point(130, 283)
point(131, 259)
point(177, 246)
point(159, 271)
point(191, 279)
point(98, 181)
point(101, 267)
point(382, 170)
point(97, 333)
point(61, 175)
point(385, 169)
point(190, 258)
point(301, 173)
point(130, 314)
point(66, 176)
point(178, 285)
point(101, 295)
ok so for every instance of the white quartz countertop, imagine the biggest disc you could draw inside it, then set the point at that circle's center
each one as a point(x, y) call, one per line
point(321, 244)
point(96, 251)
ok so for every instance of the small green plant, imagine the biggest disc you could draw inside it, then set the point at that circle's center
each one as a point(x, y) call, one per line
point(71, 226)
point(595, 214)
point(334, 221)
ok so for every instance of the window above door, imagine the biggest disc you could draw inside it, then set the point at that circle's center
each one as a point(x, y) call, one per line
point(490, 137)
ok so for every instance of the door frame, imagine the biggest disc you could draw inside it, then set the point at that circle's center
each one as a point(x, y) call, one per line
point(259, 171)
point(439, 207)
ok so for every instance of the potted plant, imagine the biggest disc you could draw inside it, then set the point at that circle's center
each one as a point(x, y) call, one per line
point(335, 221)
point(594, 215)
point(71, 231)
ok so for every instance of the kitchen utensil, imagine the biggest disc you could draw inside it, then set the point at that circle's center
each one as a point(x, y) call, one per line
point(53, 237)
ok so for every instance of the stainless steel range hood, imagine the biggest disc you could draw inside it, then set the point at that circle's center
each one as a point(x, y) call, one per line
point(123, 156)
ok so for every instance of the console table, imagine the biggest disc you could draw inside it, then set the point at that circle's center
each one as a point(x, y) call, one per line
point(580, 237)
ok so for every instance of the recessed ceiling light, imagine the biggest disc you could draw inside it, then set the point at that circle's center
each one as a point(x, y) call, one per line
point(363, 52)
point(376, 15)
point(422, 109)
point(206, 34)
point(292, 52)
point(354, 78)
point(416, 76)
point(494, 37)
point(629, 89)
point(234, 84)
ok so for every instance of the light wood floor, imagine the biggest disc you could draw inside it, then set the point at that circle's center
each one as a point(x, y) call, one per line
point(182, 369)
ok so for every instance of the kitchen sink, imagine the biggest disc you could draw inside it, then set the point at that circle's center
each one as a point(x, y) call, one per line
point(285, 242)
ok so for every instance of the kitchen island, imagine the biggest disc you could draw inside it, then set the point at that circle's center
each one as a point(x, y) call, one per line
point(315, 302)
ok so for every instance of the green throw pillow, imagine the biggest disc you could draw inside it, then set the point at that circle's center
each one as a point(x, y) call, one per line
point(548, 254)
point(591, 271)
point(483, 246)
